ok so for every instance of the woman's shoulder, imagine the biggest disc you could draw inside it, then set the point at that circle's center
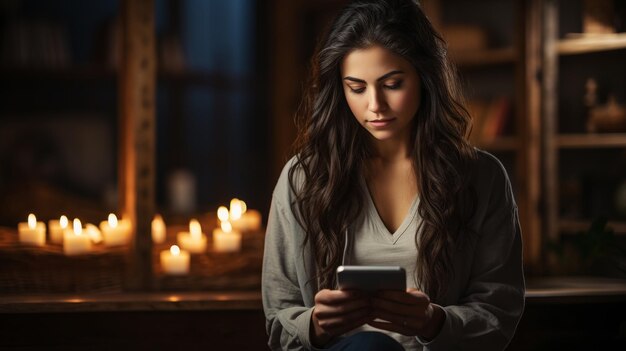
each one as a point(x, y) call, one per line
point(290, 177)
point(487, 171)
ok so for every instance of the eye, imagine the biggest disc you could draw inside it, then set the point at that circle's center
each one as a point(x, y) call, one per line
point(394, 85)
point(356, 90)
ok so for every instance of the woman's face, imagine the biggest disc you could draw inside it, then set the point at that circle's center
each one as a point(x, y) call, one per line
point(382, 90)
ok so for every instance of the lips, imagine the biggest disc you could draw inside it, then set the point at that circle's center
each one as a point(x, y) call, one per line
point(381, 123)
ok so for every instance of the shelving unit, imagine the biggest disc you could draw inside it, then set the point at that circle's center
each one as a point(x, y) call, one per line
point(506, 69)
point(564, 134)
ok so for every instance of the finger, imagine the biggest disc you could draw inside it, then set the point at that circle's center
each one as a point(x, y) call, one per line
point(346, 322)
point(392, 327)
point(326, 311)
point(406, 297)
point(412, 322)
point(333, 297)
point(416, 308)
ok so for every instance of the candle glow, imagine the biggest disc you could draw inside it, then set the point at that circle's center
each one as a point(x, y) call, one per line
point(195, 229)
point(78, 228)
point(32, 232)
point(63, 222)
point(32, 221)
point(158, 229)
point(74, 243)
point(112, 220)
point(222, 213)
point(175, 261)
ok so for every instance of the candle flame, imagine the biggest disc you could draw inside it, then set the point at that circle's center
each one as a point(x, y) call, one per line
point(222, 213)
point(235, 209)
point(226, 227)
point(112, 220)
point(158, 222)
point(175, 250)
point(194, 228)
point(63, 222)
point(244, 207)
point(32, 221)
point(78, 228)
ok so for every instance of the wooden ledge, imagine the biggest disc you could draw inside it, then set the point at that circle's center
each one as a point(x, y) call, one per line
point(575, 289)
point(185, 301)
point(548, 290)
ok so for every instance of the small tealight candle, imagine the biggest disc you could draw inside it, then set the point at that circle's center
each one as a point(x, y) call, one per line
point(56, 227)
point(175, 261)
point(115, 232)
point(193, 241)
point(158, 229)
point(93, 233)
point(32, 232)
point(240, 217)
point(74, 241)
point(225, 239)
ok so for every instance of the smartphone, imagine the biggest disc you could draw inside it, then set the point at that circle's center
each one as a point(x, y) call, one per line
point(371, 278)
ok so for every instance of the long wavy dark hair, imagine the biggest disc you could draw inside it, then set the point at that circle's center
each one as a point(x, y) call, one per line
point(332, 148)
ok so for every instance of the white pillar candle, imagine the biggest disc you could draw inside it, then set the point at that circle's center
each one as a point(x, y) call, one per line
point(175, 261)
point(158, 229)
point(56, 227)
point(32, 232)
point(115, 232)
point(193, 241)
point(74, 241)
point(225, 239)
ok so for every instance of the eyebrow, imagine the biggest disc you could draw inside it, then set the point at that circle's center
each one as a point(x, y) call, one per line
point(383, 77)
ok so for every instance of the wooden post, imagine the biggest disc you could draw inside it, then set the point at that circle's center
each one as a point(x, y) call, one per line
point(529, 126)
point(286, 89)
point(137, 83)
point(550, 100)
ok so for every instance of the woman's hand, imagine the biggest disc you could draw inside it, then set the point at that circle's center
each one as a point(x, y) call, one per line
point(409, 313)
point(337, 312)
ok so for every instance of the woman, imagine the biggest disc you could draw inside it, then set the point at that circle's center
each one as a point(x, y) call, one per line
point(384, 175)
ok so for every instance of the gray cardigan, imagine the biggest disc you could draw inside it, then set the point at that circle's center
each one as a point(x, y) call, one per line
point(485, 296)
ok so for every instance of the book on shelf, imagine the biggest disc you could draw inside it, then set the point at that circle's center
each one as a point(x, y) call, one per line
point(490, 119)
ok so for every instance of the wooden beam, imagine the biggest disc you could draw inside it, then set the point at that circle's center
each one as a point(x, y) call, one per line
point(286, 88)
point(529, 126)
point(137, 84)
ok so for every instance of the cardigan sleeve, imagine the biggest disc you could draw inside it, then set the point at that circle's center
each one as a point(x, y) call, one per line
point(287, 316)
point(490, 307)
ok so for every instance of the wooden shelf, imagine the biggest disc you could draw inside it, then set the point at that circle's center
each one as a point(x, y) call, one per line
point(571, 226)
point(591, 43)
point(202, 78)
point(608, 140)
point(483, 57)
point(506, 143)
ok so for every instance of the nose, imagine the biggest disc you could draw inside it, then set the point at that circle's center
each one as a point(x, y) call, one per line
point(377, 101)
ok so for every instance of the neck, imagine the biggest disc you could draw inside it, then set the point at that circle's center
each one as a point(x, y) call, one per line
point(392, 150)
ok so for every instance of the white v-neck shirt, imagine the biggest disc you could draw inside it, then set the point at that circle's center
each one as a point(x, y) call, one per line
point(372, 244)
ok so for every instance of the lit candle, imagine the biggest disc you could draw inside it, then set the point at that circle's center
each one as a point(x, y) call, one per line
point(74, 241)
point(32, 232)
point(158, 229)
point(175, 261)
point(241, 218)
point(225, 239)
point(115, 232)
point(252, 220)
point(56, 227)
point(193, 241)
point(93, 233)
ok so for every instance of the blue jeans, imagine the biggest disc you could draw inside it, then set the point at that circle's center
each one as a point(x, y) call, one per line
point(367, 341)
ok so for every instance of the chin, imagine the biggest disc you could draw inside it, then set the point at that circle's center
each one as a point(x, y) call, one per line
point(382, 135)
